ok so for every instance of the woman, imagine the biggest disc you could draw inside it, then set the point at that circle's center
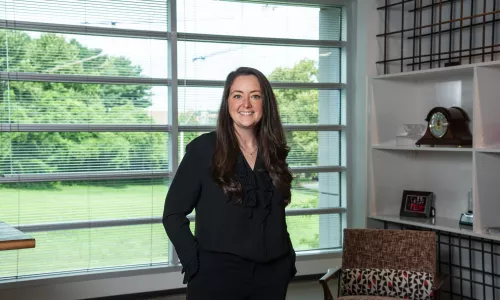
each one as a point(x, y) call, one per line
point(238, 182)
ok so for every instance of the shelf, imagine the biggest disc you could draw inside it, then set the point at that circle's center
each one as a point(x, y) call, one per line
point(488, 150)
point(439, 223)
point(487, 182)
point(487, 108)
point(394, 103)
point(422, 148)
point(439, 72)
point(449, 172)
point(488, 64)
point(448, 175)
point(429, 74)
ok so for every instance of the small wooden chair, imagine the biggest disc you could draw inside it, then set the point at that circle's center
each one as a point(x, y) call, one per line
point(383, 264)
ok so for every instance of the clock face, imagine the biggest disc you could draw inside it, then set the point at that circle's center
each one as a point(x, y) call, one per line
point(438, 125)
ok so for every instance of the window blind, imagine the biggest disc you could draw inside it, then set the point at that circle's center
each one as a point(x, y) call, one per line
point(84, 160)
point(260, 19)
point(301, 49)
point(88, 145)
point(193, 112)
point(129, 14)
point(31, 102)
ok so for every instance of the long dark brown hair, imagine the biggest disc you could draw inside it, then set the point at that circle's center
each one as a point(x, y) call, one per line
point(273, 149)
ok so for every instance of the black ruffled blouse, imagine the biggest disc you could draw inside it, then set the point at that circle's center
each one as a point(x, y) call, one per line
point(255, 229)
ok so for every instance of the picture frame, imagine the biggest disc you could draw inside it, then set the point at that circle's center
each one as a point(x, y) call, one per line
point(417, 204)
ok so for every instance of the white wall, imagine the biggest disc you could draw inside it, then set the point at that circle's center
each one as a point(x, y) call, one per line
point(364, 51)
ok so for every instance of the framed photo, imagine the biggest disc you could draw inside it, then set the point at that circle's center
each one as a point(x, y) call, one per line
point(417, 204)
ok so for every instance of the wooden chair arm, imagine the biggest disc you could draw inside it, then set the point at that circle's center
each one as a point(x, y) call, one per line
point(439, 280)
point(330, 274)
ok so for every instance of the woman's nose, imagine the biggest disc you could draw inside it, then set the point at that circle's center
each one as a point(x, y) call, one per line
point(246, 102)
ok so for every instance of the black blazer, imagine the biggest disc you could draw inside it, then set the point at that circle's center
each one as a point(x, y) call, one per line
point(255, 229)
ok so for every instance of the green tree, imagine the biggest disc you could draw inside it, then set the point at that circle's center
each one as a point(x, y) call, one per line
point(186, 137)
point(299, 106)
point(60, 103)
point(65, 103)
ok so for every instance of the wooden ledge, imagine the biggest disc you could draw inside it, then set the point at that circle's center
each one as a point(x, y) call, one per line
point(14, 239)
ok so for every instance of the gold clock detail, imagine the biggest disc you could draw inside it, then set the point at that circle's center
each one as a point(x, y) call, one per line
point(438, 125)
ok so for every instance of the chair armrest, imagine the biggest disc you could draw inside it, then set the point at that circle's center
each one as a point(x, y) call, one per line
point(330, 274)
point(439, 280)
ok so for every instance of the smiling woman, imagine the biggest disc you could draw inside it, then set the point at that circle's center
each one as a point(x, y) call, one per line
point(241, 248)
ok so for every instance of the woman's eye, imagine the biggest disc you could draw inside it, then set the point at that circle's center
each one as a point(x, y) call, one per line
point(237, 96)
point(256, 96)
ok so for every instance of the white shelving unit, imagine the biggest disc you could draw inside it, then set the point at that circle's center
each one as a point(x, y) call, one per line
point(449, 172)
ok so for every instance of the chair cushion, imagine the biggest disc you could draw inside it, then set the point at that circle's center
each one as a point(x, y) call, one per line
point(386, 283)
point(367, 298)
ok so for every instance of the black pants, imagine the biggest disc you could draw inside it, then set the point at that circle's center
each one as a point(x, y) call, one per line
point(225, 276)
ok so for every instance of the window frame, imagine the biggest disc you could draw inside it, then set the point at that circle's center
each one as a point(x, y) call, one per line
point(342, 129)
point(173, 128)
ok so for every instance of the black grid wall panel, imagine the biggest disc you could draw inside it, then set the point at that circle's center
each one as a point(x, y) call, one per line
point(426, 34)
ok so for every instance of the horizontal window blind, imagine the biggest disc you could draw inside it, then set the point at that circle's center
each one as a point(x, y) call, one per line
point(316, 190)
point(213, 61)
point(130, 14)
point(81, 225)
point(312, 148)
point(262, 19)
point(51, 203)
point(314, 232)
point(30, 102)
point(84, 160)
point(83, 250)
point(200, 105)
point(75, 54)
point(301, 49)
point(88, 145)
point(64, 152)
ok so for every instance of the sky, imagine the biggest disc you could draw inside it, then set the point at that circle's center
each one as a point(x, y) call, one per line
point(196, 60)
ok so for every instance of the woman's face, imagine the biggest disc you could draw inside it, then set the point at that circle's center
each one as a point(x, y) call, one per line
point(245, 101)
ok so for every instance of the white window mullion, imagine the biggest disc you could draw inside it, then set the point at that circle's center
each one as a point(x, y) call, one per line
point(83, 176)
point(42, 77)
point(15, 127)
point(276, 85)
point(81, 29)
point(196, 37)
point(286, 127)
point(154, 220)
point(173, 258)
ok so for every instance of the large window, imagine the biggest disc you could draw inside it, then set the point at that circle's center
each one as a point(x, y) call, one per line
point(98, 100)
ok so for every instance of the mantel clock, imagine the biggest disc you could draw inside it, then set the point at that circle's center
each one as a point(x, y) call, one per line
point(446, 127)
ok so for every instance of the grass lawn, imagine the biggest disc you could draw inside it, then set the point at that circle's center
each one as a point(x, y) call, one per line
point(82, 249)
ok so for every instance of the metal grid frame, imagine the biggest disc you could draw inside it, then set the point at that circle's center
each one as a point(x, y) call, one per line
point(472, 264)
point(427, 34)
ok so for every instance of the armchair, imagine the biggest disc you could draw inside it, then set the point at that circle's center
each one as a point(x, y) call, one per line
point(382, 264)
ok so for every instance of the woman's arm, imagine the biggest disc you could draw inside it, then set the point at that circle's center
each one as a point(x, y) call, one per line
point(181, 199)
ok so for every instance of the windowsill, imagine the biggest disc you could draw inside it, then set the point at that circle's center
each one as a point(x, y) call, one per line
point(302, 256)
